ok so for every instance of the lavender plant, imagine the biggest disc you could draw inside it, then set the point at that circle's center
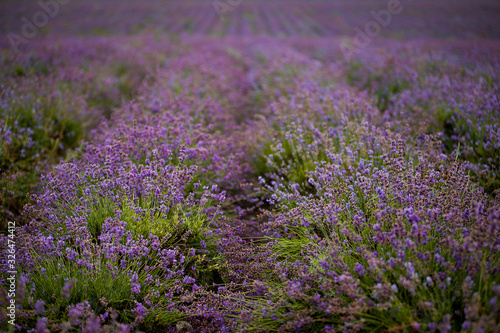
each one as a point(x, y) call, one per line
point(380, 246)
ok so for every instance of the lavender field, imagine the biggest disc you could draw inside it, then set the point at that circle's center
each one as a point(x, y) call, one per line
point(250, 166)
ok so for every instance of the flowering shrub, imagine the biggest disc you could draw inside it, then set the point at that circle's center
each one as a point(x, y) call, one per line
point(48, 104)
point(379, 245)
point(434, 95)
point(112, 234)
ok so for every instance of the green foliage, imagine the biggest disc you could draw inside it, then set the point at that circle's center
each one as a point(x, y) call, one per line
point(61, 283)
point(35, 134)
point(162, 317)
point(478, 148)
point(287, 154)
point(144, 217)
point(295, 153)
point(383, 82)
point(32, 65)
point(88, 285)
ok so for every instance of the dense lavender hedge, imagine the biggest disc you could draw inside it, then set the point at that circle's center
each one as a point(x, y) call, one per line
point(245, 185)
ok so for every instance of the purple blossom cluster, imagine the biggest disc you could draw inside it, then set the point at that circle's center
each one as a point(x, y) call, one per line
point(382, 241)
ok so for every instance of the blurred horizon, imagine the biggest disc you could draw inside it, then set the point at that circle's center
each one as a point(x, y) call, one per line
point(443, 19)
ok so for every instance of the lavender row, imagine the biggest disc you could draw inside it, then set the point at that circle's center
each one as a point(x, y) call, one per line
point(254, 184)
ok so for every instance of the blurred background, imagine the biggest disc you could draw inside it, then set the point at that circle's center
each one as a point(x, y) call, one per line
point(443, 19)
